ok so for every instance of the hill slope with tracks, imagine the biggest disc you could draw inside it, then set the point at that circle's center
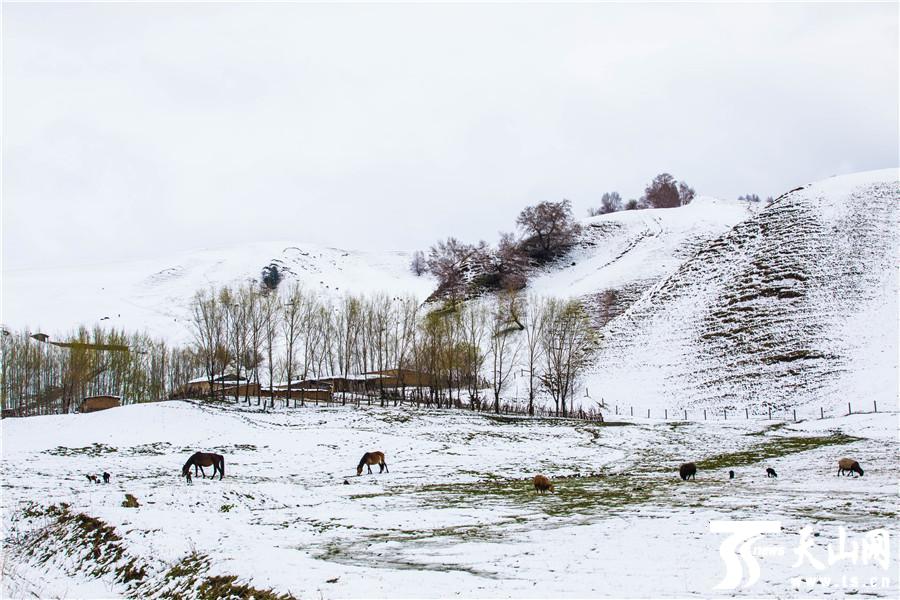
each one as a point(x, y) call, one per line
point(795, 305)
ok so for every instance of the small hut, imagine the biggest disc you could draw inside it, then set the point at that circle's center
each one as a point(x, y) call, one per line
point(95, 403)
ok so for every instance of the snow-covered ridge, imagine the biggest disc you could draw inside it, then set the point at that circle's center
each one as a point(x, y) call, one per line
point(625, 253)
point(795, 305)
point(153, 295)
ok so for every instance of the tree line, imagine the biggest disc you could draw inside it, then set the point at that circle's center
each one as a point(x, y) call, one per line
point(39, 376)
point(462, 353)
point(544, 233)
point(663, 192)
point(465, 353)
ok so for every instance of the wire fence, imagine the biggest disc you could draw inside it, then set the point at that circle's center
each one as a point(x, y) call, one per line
point(766, 413)
point(600, 413)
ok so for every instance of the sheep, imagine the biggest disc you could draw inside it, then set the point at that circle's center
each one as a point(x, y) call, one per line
point(848, 465)
point(688, 470)
point(542, 484)
point(770, 472)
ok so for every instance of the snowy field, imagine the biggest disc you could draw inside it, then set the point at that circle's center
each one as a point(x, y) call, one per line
point(455, 516)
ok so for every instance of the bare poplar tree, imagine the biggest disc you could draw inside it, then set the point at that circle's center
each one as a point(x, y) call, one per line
point(503, 350)
point(533, 319)
point(291, 328)
point(567, 341)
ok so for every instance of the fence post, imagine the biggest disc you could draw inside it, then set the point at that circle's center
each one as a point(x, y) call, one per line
point(632, 411)
point(685, 415)
point(648, 413)
point(725, 412)
point(667, 413)
point(770, 413)
point(875, 402)
point(617, 409)
point(704, 414)
point(849, 410)
point(821, 413)
point(795, 415)
point(747, 412)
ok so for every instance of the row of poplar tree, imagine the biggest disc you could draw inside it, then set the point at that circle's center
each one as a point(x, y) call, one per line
point(464, 353)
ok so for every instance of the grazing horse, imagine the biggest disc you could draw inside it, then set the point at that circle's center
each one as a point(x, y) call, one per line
point(106, 477)
point(770, 472)
point(92, 478)
point(688, 471)
point(369, 459)
point(849, 466)
point(205, 459)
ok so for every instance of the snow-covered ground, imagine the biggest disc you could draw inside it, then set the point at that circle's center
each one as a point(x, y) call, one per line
point(154, 295)
point(455, 515)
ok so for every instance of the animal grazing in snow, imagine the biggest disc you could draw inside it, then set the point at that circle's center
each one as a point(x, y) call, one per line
point(688, 471)
point(205, 459)
point(846, 466)
point(106, 477)
point(543, 484)
point(369, 459)
point(770, 472)
point(92, 478)
point(730, 474)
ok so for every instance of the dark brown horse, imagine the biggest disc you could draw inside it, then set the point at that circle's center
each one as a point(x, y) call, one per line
point(372, 458)
point(204, 459)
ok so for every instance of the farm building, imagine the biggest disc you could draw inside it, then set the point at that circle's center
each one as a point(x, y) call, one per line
point(95, 403)
point(199, 386)
point(352, 384)
point(300, 390)
point(395, 378)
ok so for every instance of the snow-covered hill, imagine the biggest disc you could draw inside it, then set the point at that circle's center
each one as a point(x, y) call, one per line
point(153, 295)
point(623, 254)
point(795, 305)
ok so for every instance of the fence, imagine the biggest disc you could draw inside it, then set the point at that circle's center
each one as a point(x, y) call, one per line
point(725, 414)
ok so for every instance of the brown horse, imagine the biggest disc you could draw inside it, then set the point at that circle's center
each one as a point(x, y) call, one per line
point(372, 458)
point(204, 459)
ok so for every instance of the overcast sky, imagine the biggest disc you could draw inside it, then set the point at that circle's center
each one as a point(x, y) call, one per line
point(137, 130)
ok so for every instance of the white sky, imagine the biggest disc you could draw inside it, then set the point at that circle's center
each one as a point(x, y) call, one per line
point(133, 130)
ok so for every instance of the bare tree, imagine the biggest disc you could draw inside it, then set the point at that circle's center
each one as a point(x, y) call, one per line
point(533, 320)
point(418, 265)
point(610, 202)
point(567, 344)
point(207, 326)
point(503, 350)
point(473, 323)
point(549, 230)
point(291, 328)
point(271, 315)
point(665, 192)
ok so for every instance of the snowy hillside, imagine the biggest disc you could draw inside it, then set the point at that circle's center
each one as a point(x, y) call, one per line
point(455, 514)
point(153, 295)
point(796, 305)
point(623, 254)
